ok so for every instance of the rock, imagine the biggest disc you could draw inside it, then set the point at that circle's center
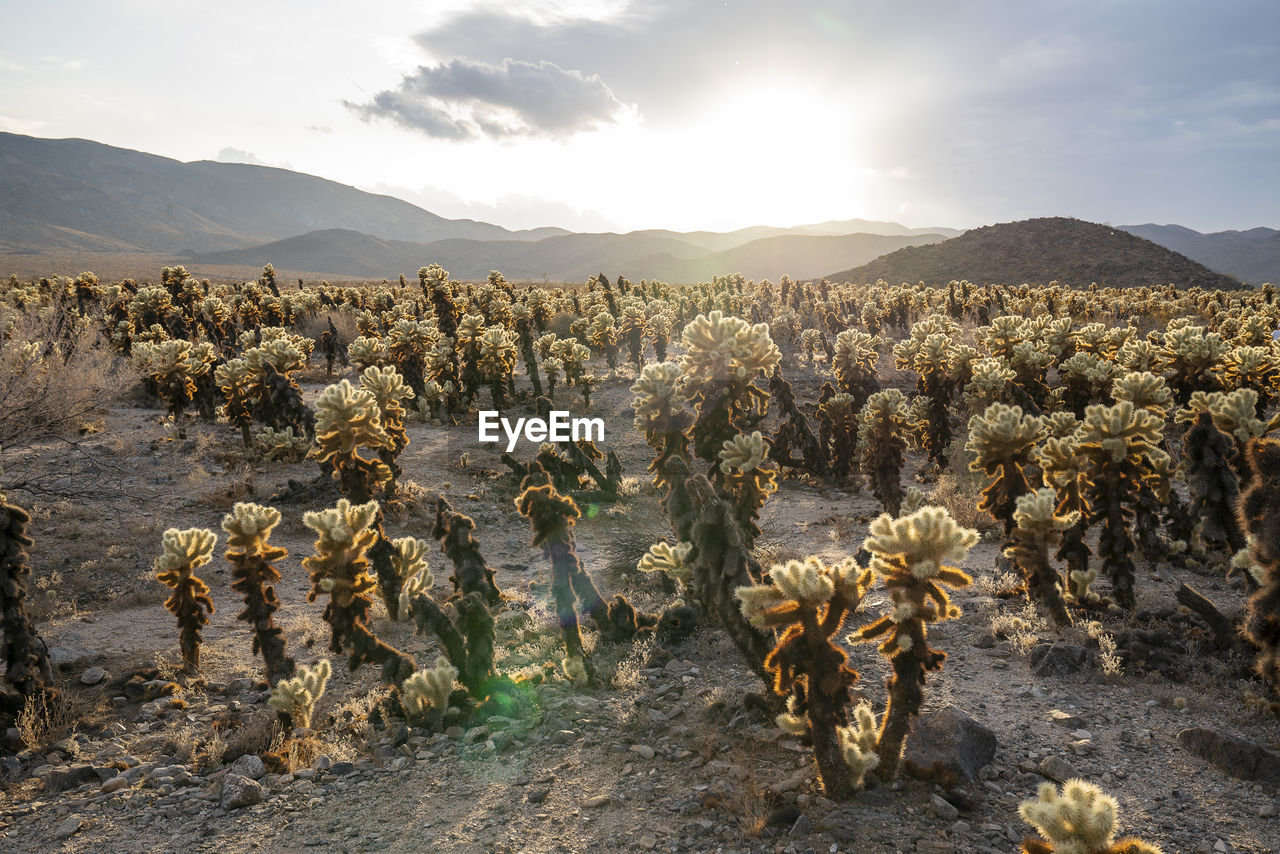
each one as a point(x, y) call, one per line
point(1059, 659)
point(1232, 754)
point(115, 784)
point(68, 828)
point(70, 653)
point(249, 765)
point(1269, 811)
point(644, 751)
point(950, 740)
point(563, 736)
point(10, 768)
point(802, 827)
point(1066, 719)
point(238, 791)
point(538, 794)
point(648, 842)
point(595, 802)
point(934, 846)
point(1057, 769)
point(93, 676)
point(342, 769)
point(987, 641)
point(69, 778)
point(322, 763)
point(943, 808)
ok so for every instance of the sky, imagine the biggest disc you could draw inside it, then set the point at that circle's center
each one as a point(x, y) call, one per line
point(613, 115)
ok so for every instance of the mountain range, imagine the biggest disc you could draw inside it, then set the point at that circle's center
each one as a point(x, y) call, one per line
point(68, 197)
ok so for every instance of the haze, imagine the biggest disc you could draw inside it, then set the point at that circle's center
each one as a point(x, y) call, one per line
point(683, 115)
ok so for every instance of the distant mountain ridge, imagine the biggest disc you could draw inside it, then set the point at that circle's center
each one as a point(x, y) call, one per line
point(64, 197)
point(78, 194)
point(1252, 256)
point(1036, 251)
point(567, 257)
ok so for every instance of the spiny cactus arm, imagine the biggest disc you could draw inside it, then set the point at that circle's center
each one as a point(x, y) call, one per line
point(1036, 525)
point(183, 553)
point(470, 573)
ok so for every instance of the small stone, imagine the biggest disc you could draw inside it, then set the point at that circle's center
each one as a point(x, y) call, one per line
point(944, 809)
point(322, 763)
point(1065, 719)
point(802, 827)
point(250, 765)
point(68, 828)
point(93, 676)
point(115, 784)
point(596, 801)
point(1059, 659)
point(563, 736)
point(238, 791)
point(1269, 811)
point(644, 751)
point(648, 842)
point(538, 794)
point(1057, 769)
point(960, 828)
point(342, 769)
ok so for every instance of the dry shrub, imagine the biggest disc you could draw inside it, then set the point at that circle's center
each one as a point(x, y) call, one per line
point(52, 375)
point(45, 719)
point(959, 494)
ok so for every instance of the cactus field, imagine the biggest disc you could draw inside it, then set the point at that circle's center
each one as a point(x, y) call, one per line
point(855, 567)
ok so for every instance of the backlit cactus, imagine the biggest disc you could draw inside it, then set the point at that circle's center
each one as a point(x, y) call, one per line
point(1001, 441)
point(1037, 527)
point(1115, 445)
point(348, 419)
point(254, 576)
point(183, 553)
point(297, 696)
point(425, 694)
point(882, 439)
point(1081, 819)
point(909, 555)
point(808, 602)
point(339, 568)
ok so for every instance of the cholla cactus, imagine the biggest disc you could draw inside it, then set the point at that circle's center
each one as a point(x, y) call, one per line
point(1196, 359)
point(1079, 820)
point(1001, 441)
point(1060, 464)
point(1145, 390)
point(552, 517)
point(1256, 368)
point(671, 561)
point(908, 554)
point(27, 666)
point(882, 437)
point(296, 697)
point(408, 344)
point(746, 480)
point(723, 355)
point(282, 445)
point(365, 353)
point(1260, 517)
point(1116, 445)
point(839, 428)
point(808, 602)
point(1037, 526)
point(174, 367)
point(348, 418)
point(184, 553)
point(855, 366)
point(988, 384)
point(389, 390)
point(238, 382)
point(661, 412)
point(412, 576)
point(1085, 378)
point(425, 694)
point(470, 573)
point(603, 336)
point(1213, 481)
point(932, 362)
point(254, 575)
point(340, 568)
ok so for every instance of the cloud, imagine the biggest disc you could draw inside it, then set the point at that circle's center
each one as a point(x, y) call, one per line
point(514, 210)
point(238, 155)
point(23, 126)
point(464, 99)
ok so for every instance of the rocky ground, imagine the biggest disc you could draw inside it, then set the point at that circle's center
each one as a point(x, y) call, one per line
point(664, 755)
